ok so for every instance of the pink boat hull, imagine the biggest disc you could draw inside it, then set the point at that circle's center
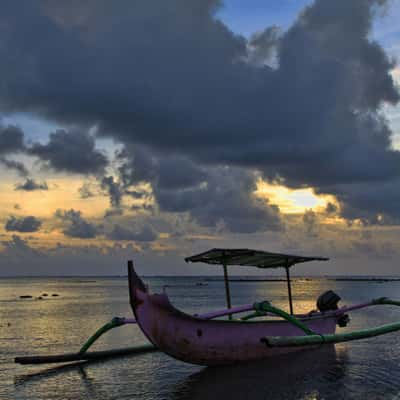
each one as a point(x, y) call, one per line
point(211, 342)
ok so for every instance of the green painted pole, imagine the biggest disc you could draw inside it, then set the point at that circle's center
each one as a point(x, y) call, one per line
point(293, 341)
point(267, 307)
point(114, 323)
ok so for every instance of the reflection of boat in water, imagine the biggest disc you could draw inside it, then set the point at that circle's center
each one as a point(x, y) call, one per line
point(304, 375)
point(204, 340)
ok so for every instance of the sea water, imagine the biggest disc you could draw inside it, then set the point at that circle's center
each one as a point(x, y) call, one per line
point(367, 369)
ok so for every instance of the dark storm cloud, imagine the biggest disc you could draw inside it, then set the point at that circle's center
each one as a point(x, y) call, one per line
point(114, 190)
point(31, 185)
point(364, 201)
point(71, 151)
point(169, 172)
point(138, 165)
point(145, 234)
point(15, 165)
point(11, 139)
point(219, 197)
point(178, 173)
point(75, 225)
point(175, 80)
point(225, 198)
point(23, 224)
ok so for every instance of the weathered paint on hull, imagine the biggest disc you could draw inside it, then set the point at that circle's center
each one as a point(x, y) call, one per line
point(210, 342)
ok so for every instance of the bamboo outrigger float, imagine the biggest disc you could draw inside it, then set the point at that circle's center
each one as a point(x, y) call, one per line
point(205, 340)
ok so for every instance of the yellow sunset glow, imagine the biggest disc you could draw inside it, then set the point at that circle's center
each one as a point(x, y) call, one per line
point(292, 201)
point(62, 193)
point(396, 74)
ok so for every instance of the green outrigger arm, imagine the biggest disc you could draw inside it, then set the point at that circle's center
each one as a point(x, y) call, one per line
point(293, 341)
point(317, 339)
point(84, 355)
point(114, 323)
point(266, 306)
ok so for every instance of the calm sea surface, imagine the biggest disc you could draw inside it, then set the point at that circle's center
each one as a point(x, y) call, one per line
point(368, 369)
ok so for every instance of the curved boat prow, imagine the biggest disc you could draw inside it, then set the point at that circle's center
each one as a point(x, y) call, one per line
point(135, 285)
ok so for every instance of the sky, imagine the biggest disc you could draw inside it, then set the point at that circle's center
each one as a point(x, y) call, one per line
point(153, 131)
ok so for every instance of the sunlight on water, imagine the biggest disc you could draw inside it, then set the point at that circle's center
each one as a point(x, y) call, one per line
point(358, 370)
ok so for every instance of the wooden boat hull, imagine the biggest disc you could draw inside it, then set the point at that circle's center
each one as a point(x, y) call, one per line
point(211, 342)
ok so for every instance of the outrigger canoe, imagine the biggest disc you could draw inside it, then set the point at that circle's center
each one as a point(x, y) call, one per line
point(206, 341)
point(203, 339)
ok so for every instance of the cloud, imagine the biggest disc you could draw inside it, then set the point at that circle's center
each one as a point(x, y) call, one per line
point(31, 185)
point(138, 165)
point(75, 225)
point(16, 165)
point(18, 248)
point(331, 209)
point(263, 46)
point(365, 202)
point(24, 224)
point(114, 189)
point(218, 197)
point(71, 151)
point(310, 223)
point(112, 212)
point(385, 250)
point(176, 172)
point(69, 260)
point(85, 191)
point(226, 198)
point(145, 234)
point(312, 119)
point(11, 139)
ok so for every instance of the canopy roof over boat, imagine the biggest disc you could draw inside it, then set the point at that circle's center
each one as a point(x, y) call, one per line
point(249, 257)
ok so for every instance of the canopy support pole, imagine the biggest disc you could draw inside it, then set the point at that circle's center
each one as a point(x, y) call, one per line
point(289, 287)
point(227, 291)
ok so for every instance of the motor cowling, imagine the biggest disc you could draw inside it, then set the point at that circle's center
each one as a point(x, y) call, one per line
point(328, 301)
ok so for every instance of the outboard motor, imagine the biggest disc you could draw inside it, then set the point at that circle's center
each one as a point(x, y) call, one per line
point(329, 301)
